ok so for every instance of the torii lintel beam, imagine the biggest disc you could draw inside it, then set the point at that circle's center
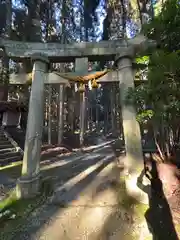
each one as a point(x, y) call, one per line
point(57, 52)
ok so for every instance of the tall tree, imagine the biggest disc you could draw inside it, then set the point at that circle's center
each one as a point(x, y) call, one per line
point(159, 110)
point(5, 59)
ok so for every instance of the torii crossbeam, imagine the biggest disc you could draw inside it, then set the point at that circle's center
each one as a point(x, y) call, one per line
point(57, 52)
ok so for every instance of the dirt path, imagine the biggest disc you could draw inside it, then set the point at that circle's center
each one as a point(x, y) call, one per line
point(88, 203)
point(85, 204)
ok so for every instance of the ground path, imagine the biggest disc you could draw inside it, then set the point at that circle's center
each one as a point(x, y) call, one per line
point(84, 204)
point(87, 202)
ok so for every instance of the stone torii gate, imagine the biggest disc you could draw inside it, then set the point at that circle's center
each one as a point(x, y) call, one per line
point(122, 51)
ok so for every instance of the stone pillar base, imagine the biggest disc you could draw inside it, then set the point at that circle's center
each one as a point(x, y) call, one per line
point(28, 188)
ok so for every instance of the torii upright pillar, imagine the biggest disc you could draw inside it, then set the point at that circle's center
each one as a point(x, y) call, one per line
point(134, 156)
point(61, 113)
point(28, 184)
point(81, 64)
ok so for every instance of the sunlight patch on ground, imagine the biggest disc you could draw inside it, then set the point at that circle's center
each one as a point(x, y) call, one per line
point(99, 214)
point(84, 215)
point(14, 164)
point(83, 174)
point(61, 163)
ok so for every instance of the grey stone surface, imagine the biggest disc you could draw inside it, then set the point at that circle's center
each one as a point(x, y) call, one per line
point(28, 188)
point(39, 56)
point(132, 135)
point(131, 128)
point(61, 113)
point(68, 52)
point(33, 141)
point(81, 64)
point(127, 52)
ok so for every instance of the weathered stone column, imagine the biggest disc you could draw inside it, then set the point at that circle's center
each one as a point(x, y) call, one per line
point(82, 118)
point(81, 64)
point(49, 114)
point(61, 113)
point(28, 184)
point(112, 102)
point(132, 136)
point(97, 109)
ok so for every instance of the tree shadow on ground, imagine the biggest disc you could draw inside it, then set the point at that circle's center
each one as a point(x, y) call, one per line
point(128, 220)
point(122, 217)
point(158, 216)
point(48, 212)
point(123, 222)
point(14, 171)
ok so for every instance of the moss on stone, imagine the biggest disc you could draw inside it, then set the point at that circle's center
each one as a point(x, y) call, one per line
point(128, 202)
point(132, 208)
point(5, 203)
point(14, 164)
point(12, 170)
point(21, 208)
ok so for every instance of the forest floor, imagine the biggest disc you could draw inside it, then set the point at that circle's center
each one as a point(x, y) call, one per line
point(89, 202)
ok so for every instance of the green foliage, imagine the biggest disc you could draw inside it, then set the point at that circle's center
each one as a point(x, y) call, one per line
point(161, 92)
point(145, 115)
point(165, 28)
point(158, 100)
point(144, 59)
